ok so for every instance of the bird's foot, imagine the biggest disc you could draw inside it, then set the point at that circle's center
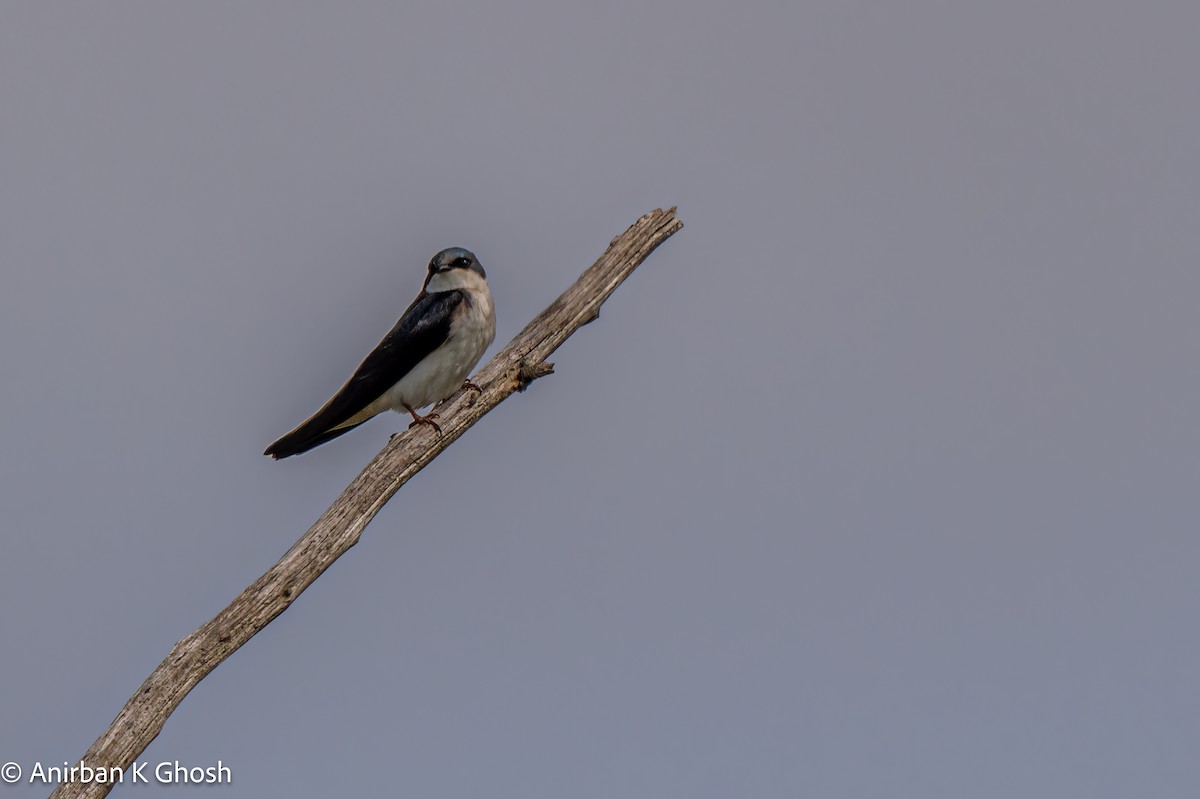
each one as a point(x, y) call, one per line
point(426, 419)
point(467, 384)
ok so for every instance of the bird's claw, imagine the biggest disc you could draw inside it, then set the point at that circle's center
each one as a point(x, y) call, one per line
point(419, 419)
point(426, 419)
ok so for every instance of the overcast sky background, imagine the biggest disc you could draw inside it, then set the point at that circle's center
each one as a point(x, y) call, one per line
point(879, 479)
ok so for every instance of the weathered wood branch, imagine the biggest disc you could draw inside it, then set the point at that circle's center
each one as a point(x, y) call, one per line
point(340, 527)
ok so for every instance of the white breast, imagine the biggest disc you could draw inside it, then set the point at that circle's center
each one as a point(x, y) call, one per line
point(443, 371)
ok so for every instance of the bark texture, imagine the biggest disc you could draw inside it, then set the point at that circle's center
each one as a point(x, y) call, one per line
point(339, 528)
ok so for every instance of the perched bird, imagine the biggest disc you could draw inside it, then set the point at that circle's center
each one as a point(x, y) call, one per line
point(424, 359)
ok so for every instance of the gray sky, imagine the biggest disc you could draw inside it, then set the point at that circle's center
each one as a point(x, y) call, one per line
point(878, 480)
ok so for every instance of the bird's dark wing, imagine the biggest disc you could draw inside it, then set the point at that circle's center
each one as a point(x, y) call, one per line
point(421, 330)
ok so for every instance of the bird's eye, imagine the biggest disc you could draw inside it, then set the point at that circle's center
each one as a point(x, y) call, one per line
point(462, 263)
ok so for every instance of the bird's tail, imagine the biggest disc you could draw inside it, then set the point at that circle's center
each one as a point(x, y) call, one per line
point(304, 438)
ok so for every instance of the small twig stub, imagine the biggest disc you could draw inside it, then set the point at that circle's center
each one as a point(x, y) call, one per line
point(532, 371)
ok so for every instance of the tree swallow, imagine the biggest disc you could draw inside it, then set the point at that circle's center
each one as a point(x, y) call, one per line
point(425, 358)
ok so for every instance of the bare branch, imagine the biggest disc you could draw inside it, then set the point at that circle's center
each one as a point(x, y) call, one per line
point(340, 527)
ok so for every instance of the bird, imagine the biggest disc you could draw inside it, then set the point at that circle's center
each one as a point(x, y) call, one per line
point(424, 359)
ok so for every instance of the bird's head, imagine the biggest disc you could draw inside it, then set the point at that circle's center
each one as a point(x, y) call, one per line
point(454, 268)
